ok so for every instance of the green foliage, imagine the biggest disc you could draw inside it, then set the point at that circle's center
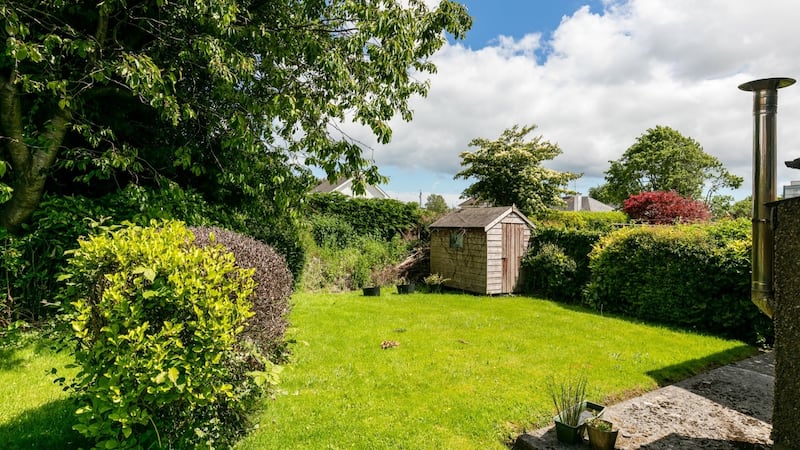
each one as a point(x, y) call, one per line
point(435, 203)
point(664, 160)
point(154, 321)
point(364, 263)
point(551, 273)
point(332, 231)
point(508, 171)
point(690, 276)
point(223, 95)
point(570, 264)
point(270, 300)
point(584, 220)
point(280, 230)
point(32, 259)
point(382, 218)
point(567, 394)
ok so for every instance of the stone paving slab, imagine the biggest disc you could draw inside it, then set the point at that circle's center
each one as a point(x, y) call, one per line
point(726, 408)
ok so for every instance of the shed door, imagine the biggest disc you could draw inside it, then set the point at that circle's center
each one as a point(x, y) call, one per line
point(513, 239)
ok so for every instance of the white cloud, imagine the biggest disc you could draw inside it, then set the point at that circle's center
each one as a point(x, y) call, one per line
point(605, 79)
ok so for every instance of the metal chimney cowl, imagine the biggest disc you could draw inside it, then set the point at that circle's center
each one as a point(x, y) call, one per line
point(765, 167)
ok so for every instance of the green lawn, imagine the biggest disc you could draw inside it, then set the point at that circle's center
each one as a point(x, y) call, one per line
point(468, 371)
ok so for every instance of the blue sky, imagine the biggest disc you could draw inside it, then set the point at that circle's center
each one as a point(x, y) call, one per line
point(593, 76)
point(516, 18)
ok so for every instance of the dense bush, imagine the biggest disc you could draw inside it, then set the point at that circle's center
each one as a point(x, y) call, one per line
point(659, 207)
point(153, 323)
point(31, 260)
point(379, 217)
point(278, 229)
point(362, 264)
point(270, 300)
point(692, 276)
point(332, 231)
point(575, 244)
point(550, 272)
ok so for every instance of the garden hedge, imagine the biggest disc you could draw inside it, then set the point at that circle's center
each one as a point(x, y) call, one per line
point(691, 276)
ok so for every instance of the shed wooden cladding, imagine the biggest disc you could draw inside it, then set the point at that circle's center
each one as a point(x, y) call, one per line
point(480, 249)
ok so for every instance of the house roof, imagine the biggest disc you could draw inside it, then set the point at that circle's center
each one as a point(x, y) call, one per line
point(584, 203)
point(474, 202)
point(344, 185)
point(484, 218)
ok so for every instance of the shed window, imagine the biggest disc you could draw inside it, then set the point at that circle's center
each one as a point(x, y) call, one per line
point(457, 239)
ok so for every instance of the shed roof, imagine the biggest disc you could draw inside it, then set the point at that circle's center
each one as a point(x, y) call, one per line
point(484, 218)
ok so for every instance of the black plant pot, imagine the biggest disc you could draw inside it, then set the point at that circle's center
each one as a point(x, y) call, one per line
point(373, 291)
point(569, 434)
point(405, 288)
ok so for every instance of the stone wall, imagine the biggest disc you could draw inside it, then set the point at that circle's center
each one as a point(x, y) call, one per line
point(786, 412)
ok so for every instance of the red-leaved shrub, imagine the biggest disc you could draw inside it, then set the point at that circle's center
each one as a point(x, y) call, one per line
point(660, 207)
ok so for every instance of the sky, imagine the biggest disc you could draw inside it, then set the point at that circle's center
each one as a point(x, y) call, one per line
point(593, 76)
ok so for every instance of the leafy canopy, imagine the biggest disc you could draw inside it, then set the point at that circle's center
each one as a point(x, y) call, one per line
point(508, 171)
point(664, 160)
point(436, 203)
point(231, 97)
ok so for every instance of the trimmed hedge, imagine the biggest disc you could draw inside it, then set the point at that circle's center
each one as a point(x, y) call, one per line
point(270, 299)
point(584, 220)
point(690, 276)
point(382, 218)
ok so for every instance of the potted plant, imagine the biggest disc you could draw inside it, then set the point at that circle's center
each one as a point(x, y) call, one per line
point(372, 285)
point(435, 282)
point(602, 435)
point(404, 286)
point(572, 409)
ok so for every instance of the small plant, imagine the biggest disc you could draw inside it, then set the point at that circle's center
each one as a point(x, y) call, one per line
point(599, 423)
point(435, 281)
point(568, 398)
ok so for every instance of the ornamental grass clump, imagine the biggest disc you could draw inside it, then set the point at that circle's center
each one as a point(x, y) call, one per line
point(154, 322)
point(568, 397)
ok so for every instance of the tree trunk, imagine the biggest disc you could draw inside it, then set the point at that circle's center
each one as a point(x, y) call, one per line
point(29, 164)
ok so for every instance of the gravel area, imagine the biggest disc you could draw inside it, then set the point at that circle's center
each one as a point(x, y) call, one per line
point(726, 408)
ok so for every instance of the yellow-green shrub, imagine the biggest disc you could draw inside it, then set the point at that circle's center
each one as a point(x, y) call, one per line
point(154, 321)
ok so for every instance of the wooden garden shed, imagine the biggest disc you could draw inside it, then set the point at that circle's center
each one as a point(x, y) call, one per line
point(480, 249)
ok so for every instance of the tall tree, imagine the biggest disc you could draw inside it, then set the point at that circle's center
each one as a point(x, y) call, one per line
point(229, 96)
point(508, 171)
point(662, 159)
point(435, 203)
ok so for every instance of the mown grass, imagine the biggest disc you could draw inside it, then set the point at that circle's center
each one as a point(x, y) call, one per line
point(468, 372)
point(35, 412)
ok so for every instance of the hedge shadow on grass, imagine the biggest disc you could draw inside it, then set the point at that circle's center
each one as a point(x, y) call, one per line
point(677, 372)
point(46, 427)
